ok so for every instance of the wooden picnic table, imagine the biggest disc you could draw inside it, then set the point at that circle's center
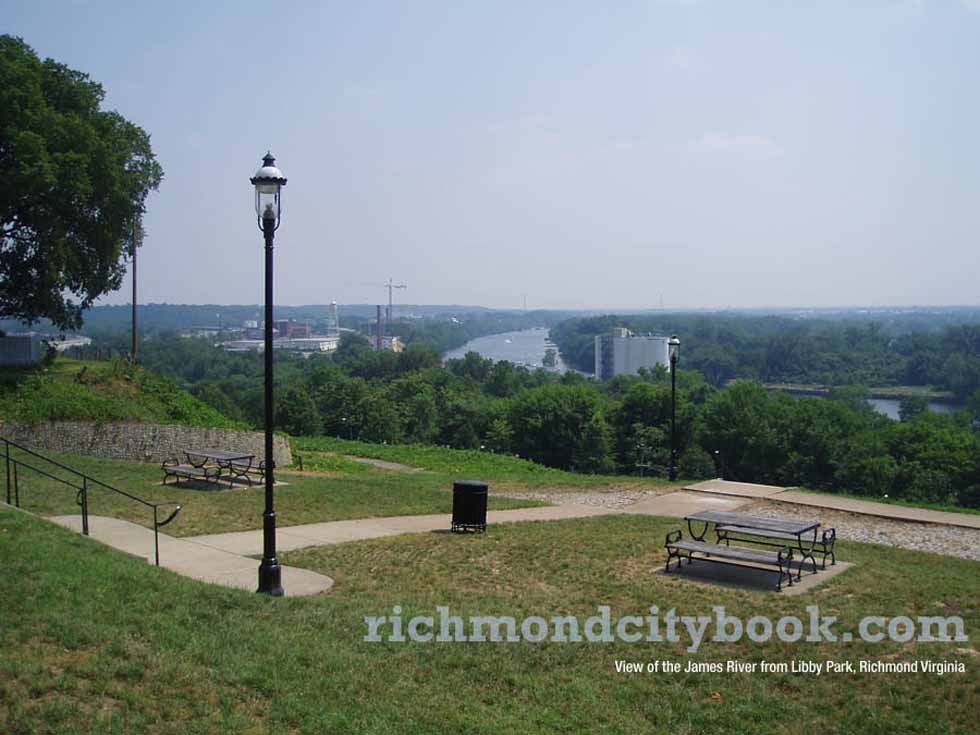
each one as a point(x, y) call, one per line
point(235, 463)
point(726, 522)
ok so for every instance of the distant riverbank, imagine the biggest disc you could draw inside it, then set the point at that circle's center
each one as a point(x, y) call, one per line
point(896, 392)
point(886, 400)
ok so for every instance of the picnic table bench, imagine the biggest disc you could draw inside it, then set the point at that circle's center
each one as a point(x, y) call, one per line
point(783, 535)
point(213, 465)
point(823, 545)
point(172, 468)
point(733, 555)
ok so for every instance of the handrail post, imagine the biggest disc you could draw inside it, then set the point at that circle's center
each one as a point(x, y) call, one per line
point(7, 446)
point(156, 536)
point(85, 505)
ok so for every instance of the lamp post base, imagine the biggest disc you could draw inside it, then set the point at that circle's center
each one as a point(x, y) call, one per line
point(270, 578)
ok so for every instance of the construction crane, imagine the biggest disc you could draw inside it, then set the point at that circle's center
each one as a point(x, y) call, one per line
point(391, 286)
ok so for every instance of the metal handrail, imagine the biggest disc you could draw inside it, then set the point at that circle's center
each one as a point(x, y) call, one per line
point(81, 496)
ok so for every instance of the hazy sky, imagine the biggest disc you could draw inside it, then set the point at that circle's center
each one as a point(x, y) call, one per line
point(586, 154)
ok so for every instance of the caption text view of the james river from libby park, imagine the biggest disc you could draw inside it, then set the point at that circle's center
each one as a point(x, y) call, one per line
point(527, 347)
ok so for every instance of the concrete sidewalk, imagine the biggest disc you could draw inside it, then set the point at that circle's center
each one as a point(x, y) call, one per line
point(190, 559)
point(289, 538)
point(223, 558)
point(680, 504)
point(833, 502)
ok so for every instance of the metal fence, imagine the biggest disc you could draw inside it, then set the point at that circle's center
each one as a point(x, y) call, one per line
point(78, 481)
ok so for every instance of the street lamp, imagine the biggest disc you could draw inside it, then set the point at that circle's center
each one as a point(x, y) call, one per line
point(673, 348)
point(268, 182)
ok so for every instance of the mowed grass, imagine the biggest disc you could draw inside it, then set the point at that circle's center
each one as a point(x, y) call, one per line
point(94, 641)
point(302, 498)
point(504, 470)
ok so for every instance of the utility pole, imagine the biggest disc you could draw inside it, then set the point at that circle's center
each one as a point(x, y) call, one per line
point(391, 286)
point(134, 355)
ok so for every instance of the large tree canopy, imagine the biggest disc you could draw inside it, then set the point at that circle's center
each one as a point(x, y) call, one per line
point(73, 186)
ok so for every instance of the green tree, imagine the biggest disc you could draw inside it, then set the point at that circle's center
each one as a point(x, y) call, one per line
point(296, 413)
point(912, 406)
point(748, 429)
point(379, 419)
point(73, 186)
point(499, 436)
point(560, 426)
point(416, 401)
point(471, 365)
point(696, 464)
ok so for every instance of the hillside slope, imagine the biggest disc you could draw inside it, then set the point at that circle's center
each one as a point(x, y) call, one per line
point(86, 390)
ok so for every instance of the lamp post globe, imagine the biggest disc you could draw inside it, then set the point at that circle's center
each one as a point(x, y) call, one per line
point(268, 182)
point(673, 350)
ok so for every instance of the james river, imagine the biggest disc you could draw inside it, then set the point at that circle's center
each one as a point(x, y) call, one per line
point(527, 347)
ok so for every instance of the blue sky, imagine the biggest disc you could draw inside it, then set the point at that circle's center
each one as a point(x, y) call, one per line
point(588, 155)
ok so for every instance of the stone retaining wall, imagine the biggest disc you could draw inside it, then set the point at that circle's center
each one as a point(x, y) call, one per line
point(139, 442)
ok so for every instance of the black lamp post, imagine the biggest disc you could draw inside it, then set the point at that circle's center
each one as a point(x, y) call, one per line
point(673, 347)
point(268, 182)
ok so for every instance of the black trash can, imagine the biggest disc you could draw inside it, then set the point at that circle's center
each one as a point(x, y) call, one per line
point(469, 506)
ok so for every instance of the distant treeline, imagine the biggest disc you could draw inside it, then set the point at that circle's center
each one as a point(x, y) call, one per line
point(153, 319)
point(907, 349)
point(441, 333)
point(573, 422)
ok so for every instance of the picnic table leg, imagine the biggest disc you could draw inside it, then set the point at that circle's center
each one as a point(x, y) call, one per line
point(806, 553)
point(695, 536)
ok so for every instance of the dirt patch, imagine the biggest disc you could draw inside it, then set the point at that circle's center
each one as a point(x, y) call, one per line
point(384, 465)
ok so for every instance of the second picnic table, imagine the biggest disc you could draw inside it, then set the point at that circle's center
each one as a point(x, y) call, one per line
point(237, 464)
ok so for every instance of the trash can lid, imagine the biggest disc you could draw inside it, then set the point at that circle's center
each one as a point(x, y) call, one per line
point(470, 483)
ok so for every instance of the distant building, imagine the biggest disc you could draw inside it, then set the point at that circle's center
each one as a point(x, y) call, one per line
point(289, 328)
point(308, 344)
point(394, 344)
point(21, 349)
point(30, 347)
point(67, 342)
point(327, 343)
point(210, 332)
point(624, 353)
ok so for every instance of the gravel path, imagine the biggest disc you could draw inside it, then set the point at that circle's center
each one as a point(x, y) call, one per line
point(948, 540)
point(939, 539)
point(616, 499)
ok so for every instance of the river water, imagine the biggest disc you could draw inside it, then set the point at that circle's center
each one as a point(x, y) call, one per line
point(527, 347)
point(890, 406)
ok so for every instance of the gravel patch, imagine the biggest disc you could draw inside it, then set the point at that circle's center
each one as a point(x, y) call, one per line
point(939, 539)
point(615, 500)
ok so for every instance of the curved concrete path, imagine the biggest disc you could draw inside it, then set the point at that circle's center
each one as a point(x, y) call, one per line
point(191, 559)
point(223, 558)
point(289, 538)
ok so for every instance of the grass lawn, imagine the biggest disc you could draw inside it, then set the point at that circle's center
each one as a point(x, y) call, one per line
point(506, 471)
point(94, 641)
point(305, 498)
